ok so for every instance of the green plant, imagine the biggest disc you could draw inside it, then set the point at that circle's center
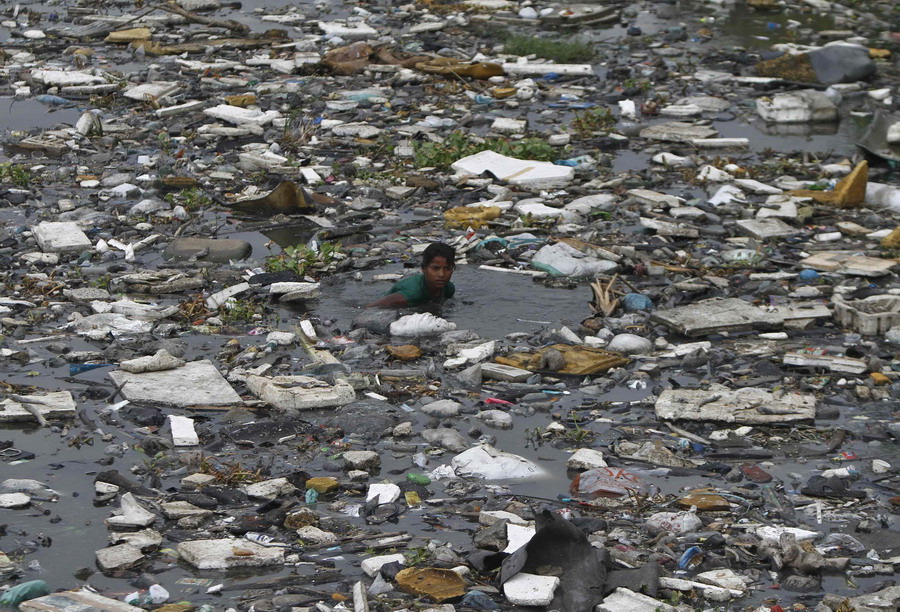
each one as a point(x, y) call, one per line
point(16, 174)
point(238, 311)
point(102, 282)
point(165, 141)
point(417, 556)
point(592, 120)
point(191, 199)
point(641, 85)
point(301, 258)
point(297, 130)
point(458, 145)
point(562, 51)
point(578, 434)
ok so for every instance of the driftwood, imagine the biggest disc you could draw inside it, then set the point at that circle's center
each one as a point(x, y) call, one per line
point(603, 297)
point(98, 29)
point(228, 24)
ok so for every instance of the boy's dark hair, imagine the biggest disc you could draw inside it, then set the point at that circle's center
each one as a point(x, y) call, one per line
point(439, 249)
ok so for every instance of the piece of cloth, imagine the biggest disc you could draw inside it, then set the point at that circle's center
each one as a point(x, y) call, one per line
point(414, 290)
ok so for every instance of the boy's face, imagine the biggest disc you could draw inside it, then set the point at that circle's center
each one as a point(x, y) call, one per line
point(438, 272)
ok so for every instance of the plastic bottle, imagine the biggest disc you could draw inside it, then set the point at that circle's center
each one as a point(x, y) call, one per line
point(419, 479)
point(843, 472)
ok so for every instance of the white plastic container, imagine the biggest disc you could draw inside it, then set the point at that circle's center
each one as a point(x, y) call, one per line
point(869, 316)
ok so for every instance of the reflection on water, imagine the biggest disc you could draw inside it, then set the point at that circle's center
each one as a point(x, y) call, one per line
point(837, 138)
point(29, 114)
point(755, 29)
point(290, 235)
point(801, 129)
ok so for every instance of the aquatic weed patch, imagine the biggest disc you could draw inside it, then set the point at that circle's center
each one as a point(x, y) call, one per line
point(562, 51)
point(587, 122)
point(191, 199)
point(301, 258)
point(17, 174)
point(458, 145)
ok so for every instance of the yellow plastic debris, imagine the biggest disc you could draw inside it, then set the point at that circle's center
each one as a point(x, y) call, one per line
point(892, 240)
point(578, 359)
point(471, 216)
point(127, 36)
point(880, 379)
point(241, 101)
point(502, 92)
point(438, 584)
point(322, 484)
point(849, 193)
point(404, 352)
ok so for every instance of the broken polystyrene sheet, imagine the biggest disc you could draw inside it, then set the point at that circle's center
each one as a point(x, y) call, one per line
point(68, 601)
point(222, 297)
point(747, 406)
point(820, 358)
point(130, 515)
point(229, 553)
point(159, 361)
point(60, 237)
point(47, 406)
point(300, 392)
point(560, 544)
point(517, 536)
point(471, 354)
point(531, 590)
point(849, 262)
point(195, 383)
point(134, 310)
point(676, 131)
point(183, 432)
point(522, 172)
point(804, 106)
point(715, 316)
point(63, 78)
point(152, 91)
point(241, 116)
point(625, 599)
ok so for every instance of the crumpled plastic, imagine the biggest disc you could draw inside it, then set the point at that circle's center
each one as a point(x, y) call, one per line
point(676, 522)
point(491, 464)
point(560, 259)
point(421, 324)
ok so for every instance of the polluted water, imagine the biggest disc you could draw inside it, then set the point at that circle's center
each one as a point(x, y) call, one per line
point(651, 366)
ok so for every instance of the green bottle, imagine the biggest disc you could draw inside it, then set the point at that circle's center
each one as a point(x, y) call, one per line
point(419, 479)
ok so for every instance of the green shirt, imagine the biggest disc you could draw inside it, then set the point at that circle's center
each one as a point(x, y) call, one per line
point(414, 290)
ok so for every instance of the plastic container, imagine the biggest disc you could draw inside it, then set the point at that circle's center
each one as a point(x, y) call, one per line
point(870, 316)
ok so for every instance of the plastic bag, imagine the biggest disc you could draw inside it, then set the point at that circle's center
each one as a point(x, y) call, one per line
point(676, 522)
point(23, 592)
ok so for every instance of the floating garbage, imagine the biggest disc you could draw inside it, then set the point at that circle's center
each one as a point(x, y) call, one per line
point(666, 378)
